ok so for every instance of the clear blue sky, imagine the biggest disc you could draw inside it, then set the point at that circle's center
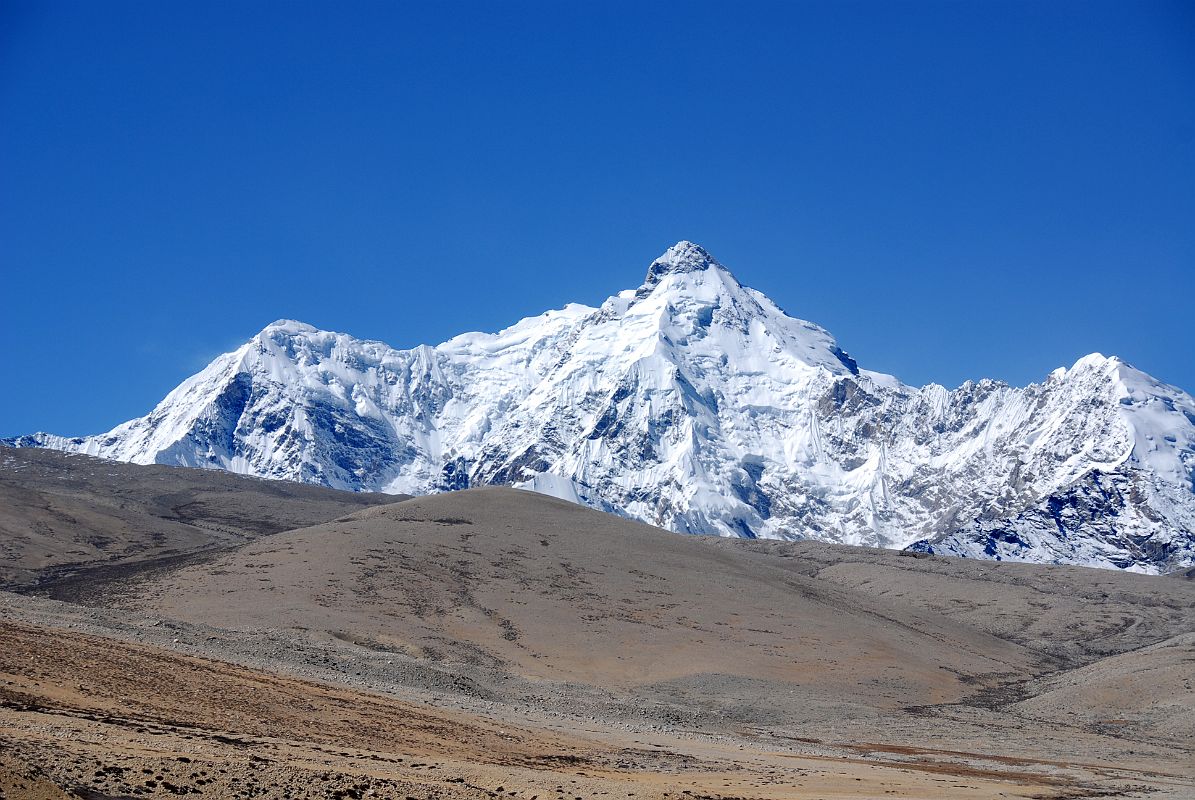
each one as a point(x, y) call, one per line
point(955, 190)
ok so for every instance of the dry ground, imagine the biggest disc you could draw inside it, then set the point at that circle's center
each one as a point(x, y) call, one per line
point(107, 719)
point(499, 643)
point(62, 512)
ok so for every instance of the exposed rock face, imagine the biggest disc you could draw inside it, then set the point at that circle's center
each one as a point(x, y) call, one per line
point(695, 403)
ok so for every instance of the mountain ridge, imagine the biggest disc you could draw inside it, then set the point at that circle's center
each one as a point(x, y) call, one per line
point(695, 403)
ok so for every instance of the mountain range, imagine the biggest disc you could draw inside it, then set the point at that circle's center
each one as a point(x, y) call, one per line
point(696, 404)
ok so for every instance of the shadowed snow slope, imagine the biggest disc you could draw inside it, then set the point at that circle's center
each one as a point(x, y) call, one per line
point(696, 404)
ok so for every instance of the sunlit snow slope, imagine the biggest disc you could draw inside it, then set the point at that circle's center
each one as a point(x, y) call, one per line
point(695, 403)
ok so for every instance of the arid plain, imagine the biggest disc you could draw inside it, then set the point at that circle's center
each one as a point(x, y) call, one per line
point(169, 631)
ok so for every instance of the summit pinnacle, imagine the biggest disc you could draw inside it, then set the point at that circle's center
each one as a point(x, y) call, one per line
point(682, 257)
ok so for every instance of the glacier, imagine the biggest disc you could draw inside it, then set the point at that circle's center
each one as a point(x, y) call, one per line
point(695, 403)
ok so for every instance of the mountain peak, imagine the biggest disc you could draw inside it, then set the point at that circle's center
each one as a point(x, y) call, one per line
point(695, 403)
point(684, 256)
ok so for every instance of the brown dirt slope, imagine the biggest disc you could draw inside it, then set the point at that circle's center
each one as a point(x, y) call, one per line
point(87, 717)
point(497, 643)
point(552, 592)
point(61, 513)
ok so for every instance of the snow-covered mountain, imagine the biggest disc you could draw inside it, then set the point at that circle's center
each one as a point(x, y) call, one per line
point(695, 403)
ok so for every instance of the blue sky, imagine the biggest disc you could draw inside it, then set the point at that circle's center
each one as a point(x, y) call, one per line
point(955, 190)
